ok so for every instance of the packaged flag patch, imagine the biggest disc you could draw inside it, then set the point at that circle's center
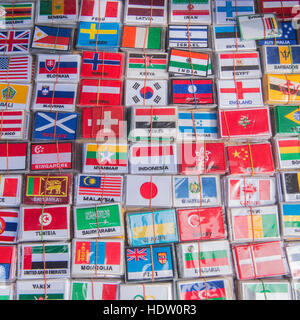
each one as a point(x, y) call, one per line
point(203, 191)
point(14, 42)
point(153, 158)
point(142, 12)
point(102, 122)
point(250, 122)
point(47, 189)
point(54, 96)
point(104, 65)
point(204, 259)
point(201, 224)
point(287, 120)
point(105, 158)
point(8, 263)
point(148, 38)
point(250, 191)
point(52, 289)
point(228, 38)
point(293, 257)
point(58, 68)
point(57, 11)
point(51, 156)
point(98, 221)
point(290, 186)
point(51, 260)
point(247, 159)
point(52, 38)
point(148, 191)
point(98, 92)
point(281, 59)
point(187, 62)
point(146, 263)
point(190, 11)
point(97, 258)
point(253, 224)
point(15, 96)
point(199, 158)
point(17, 15)
point(239, 65)
point(98, 36)
point(290, 220)
point(153, 93)
point(10, 190)
point(152, 66)
point(91, 189)
point(188, 37)
point(210, 289)
point(95, 290)
point(15, 68)
point(13, 124)
point(288, 35)
point(258, 26)
point(155, 227)
point(9, 225)
point(265, 289)
point(7, 291)
point(226, 11)
point(296, 289)
point(55, 126)
point(149, 123)
point(192, 92)
point(288, 153)
point(13, 156)
point(282, 89)
point(282, 9)
point(109, 10)
point(193, 125)
point(240, 93)
point(44, 223)
point(260, 260)
point(146, 291)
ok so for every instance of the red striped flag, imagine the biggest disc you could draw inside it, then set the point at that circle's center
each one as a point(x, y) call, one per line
point(13, 156)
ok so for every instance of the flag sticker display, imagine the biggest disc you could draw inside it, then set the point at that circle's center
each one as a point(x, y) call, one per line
point(95, 36)
point(290, 186)
point(153, 157)
point(54, 96)
point(98, 92)
point(288, 35)
point(287, 120)
point(15, 96)
point(14, 42)
point(10, 190)
point(39, 260)
point(40, 223)
point(51, 156)
point(260, 260)
point(135, 37)
point(142, 262)
point(290, 219)
point(283, 9)
point(240, 93)
point(201, 224)
point(91, 189)
point(47, 189)
point(293, 257)
point(148, 191)
point(105, 158)
point(58, 68)
point(139, 12)
point(53, 38)
point(157, 227)
point(185, 37)
point(97, 258)
point(288, 152)
point(155, 291)
point(109, 11)
point(13, 156)
point(7, 291)
point(205, 258)
point(18, 15)
point(196, 190)
point(98, 221)
point(55, 126)
point(102, 65)
point(154, 66)
point(250, 191)
point(12, 124)
point(8, 263)
point(9, 225)
point(254, 224)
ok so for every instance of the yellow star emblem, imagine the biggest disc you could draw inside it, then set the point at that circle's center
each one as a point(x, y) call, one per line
point(236, 154)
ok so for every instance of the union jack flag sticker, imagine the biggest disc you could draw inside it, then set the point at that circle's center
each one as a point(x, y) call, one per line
point(14, 41)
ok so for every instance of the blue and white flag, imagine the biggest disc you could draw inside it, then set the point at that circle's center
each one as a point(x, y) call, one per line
point(288, 35)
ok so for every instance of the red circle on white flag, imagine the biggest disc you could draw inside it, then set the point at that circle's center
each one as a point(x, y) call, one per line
point(148, 190)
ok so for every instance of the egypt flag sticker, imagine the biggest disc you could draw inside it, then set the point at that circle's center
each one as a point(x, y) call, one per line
point(153, 93)
point(148, 191)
